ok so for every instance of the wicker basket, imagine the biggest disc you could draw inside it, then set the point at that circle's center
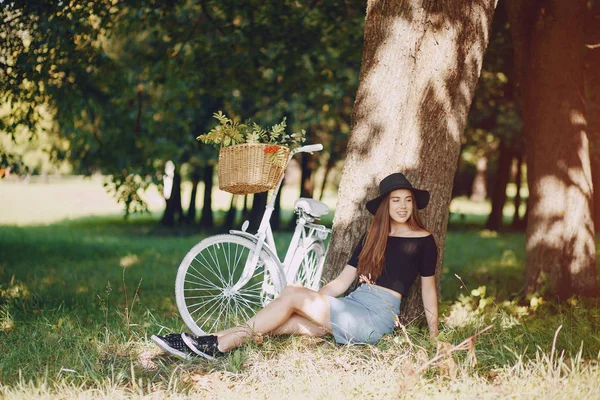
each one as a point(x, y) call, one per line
point(246, 168)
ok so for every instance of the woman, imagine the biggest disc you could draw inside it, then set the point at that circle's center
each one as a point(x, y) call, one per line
point(388, 258)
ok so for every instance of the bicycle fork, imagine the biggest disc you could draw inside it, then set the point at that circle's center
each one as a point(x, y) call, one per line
point(264, 234)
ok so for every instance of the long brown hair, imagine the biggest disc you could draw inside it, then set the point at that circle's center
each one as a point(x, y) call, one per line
point(372, 257)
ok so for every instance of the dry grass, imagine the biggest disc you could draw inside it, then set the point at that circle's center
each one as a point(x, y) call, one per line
point(301, 368)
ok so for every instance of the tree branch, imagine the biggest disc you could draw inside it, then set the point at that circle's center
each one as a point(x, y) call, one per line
point(210, 18)
point(187, 39)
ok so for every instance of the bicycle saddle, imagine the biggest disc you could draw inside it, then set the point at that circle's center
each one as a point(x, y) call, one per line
point(312, 207)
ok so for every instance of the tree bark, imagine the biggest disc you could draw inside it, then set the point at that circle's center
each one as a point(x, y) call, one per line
point(592, 84)
point(328, 167)
point(547, 39)
point(174, 211)
point(420, 64)
point(206, 219)
point(245, 210)
point(276, 217)
point(517, 222)
point(479, 187)
point(307, 164)
point(231, 214)
point(336, 151)
point(494, 221)
point(259, 202)
point(191, 214)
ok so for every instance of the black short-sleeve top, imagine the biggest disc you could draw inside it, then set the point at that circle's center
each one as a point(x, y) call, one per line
point(405, 258)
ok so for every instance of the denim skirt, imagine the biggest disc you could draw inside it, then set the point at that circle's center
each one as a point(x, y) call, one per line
point(363, 316)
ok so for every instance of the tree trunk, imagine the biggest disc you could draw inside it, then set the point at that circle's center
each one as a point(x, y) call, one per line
point(206, 219)
point(517, 222)
point(276, 217)
point(245, 210)
point(592, 84)
point(420, 65)
point(328, 167)
point(479, 187)
point(494, 221)
point(230, 217)
point(560, 231)
point(259, 202)
point(307, 163)
point(526, 216)
point(173, 211)
point(307, 166)
point(191, 214)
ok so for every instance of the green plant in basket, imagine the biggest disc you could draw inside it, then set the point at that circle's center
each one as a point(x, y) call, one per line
point(229, 133)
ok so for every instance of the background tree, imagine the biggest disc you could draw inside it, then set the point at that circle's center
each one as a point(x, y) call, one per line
point(493, 135)
point(592, 92)
point(131, 84)
point(420, 65)
point(560, 229)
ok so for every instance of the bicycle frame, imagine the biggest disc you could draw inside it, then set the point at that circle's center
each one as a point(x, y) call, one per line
point(265, 233)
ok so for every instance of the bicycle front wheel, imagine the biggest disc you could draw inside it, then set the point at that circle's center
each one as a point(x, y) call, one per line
point(207, 289)
point(308, 273)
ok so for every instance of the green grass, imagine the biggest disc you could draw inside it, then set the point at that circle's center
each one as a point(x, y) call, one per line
point(483, 258)
point(80, 298)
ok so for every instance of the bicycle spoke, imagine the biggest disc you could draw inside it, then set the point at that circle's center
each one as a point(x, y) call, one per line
point(202, 304)
point(209, 269)
point(238, 258)
point(205, 279)
point(218, 269)
point(202, 295)
point(249, 303)
point(254, 286)
point(219, 276)
point(228, 262)
point(213, 308)
point(239, 311)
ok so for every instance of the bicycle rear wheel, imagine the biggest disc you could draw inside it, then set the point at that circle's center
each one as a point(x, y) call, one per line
point(308, 273)
point(205, 289)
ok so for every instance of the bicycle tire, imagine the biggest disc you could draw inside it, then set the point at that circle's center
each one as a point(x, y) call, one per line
point(205, 278)
point(310, 268)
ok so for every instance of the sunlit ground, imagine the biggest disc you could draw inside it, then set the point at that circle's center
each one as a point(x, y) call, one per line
point(42, 202)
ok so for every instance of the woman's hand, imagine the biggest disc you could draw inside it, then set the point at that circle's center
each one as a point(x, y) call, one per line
point(366, 279)
point(430, 304)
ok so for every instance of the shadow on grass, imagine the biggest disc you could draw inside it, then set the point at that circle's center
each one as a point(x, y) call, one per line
point(72, 263)
point(61, 288)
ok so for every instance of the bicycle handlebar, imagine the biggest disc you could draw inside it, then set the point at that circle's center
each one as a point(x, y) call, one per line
point(309, 149)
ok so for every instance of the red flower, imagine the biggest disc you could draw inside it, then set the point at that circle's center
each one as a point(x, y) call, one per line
point(271, 149)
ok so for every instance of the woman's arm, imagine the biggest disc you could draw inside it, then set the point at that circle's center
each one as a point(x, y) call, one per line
point(430, 304)
point(340, 284)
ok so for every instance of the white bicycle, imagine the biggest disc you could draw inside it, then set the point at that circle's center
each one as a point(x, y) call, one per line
point(225, 279)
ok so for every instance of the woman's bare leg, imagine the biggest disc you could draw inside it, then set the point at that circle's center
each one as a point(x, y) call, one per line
point(311, 305)
point(298, 325)
point(244, 327)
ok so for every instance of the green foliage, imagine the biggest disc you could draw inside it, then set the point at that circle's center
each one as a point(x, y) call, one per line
point(229, 133)
point(130, 85)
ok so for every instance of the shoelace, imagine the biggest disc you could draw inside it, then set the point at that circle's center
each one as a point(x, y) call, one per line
point(176, 342)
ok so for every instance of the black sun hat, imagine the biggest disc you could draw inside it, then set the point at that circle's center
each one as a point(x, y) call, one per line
point(394, 182)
